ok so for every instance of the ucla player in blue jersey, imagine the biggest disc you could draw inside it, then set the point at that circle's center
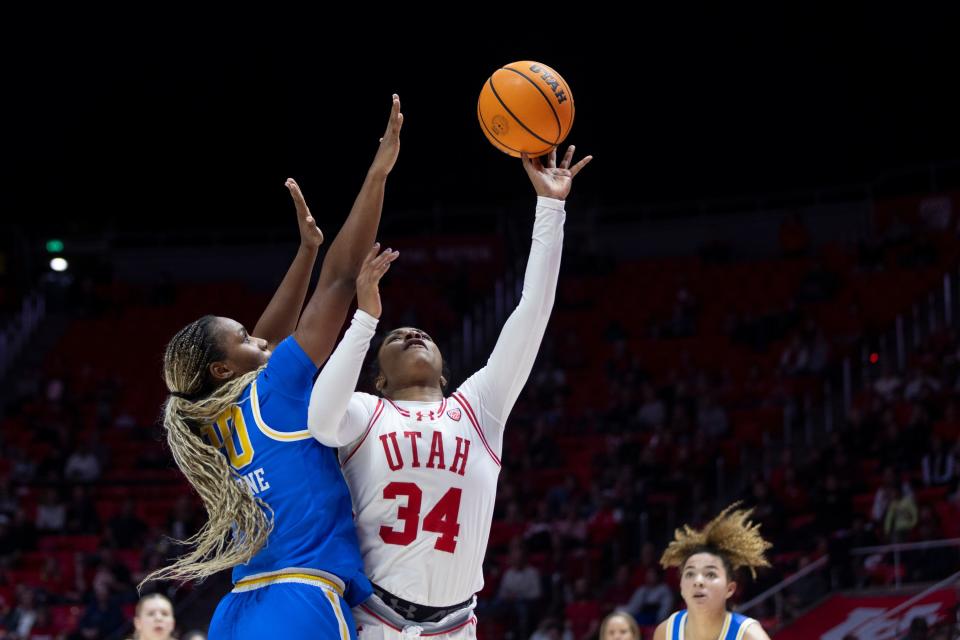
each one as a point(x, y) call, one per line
point(278, 509)
point(708, 560)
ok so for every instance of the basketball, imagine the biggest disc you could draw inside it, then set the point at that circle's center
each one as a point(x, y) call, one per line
point(525, 107)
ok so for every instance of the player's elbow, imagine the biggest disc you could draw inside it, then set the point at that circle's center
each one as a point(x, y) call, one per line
point(321, 430)
point(343, 282)
point(324, 434)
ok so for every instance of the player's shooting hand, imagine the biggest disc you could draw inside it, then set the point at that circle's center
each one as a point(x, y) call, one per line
point(368, 282)
point(552, 181)
point(390, 142)
point(310, 234)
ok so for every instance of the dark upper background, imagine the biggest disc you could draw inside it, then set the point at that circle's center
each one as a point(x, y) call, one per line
point(167, 122)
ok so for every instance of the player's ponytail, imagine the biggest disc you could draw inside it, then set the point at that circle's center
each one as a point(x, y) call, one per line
point(237, 523)
point(730, 536)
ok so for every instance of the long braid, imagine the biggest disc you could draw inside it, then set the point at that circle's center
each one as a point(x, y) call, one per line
point(237, 523)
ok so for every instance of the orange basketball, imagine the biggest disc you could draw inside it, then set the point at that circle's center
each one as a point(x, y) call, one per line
point(525, 106)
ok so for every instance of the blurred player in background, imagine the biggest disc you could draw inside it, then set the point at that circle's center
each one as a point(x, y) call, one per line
point(619, 625)
point(153, 618)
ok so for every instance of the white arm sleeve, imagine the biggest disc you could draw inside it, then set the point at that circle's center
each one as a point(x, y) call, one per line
point(497, 385)
point(336, 415)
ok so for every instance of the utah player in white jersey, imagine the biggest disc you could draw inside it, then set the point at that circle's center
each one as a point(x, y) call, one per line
point(422, 468)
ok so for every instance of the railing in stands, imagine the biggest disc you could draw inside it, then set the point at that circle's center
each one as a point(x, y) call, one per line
point(821, 563)
point(777, 589)
point(898, 549)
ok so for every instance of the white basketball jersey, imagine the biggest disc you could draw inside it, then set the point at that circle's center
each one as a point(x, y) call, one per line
point(423, 479)
point(423, 475)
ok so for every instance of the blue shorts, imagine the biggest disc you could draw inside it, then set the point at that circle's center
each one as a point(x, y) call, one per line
point(288, 610)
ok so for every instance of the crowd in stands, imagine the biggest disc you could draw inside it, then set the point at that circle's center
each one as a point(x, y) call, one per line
point(664, 389)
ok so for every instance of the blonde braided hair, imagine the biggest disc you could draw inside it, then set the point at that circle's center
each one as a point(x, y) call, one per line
point(237, 522)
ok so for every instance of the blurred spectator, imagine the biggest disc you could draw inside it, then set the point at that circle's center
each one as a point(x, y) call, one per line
point(712, 418)
point(583, 611)
point(82, 465)
point(520, 588)
point(652, 411)
point(9, 505)
point(51, 513)
point(888, 384)
point(650, 604)
point(82, 517)
point(44, 627)
point(939, 467)
point(604, 522)
point(101, 617)
point(884, 494)
point(23, 616)
point(571, 528)
point(795, 358)
point(23, 468)
point(921, 385)
point(113, 572)
point(53, 582)
point(620, 589)
point(549, 629)
point(901, 516)
point(182, 522)
point(126, 529)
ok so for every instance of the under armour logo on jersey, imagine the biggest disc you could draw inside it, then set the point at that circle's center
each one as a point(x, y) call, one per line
point(454, 414)
point(407, 611)
point(430, 416)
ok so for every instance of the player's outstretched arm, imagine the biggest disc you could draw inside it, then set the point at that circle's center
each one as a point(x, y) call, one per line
point(511, 361)
point(280, 317)
point(328, 306)
point(336, 416)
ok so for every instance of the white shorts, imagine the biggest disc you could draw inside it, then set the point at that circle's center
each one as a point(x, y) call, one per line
point(375, 621)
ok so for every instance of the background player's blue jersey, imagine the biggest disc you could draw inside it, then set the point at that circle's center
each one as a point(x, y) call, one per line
point(734, 626)
point(266, 440)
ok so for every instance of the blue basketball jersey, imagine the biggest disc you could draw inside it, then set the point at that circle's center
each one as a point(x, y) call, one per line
point(266, 439)
point(734, 627)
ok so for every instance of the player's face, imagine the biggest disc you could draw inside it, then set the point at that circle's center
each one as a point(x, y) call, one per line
point(617, 629)
point(244, 353)
point(409, 353)
point(155, 620)
point(704, 584)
